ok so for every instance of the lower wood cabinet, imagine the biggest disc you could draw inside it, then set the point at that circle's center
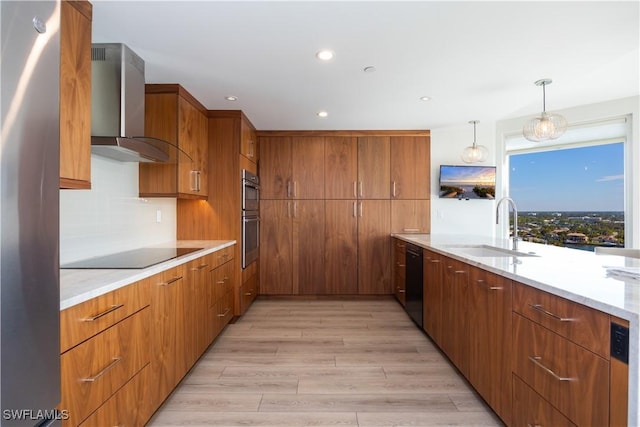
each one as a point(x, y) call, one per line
point(529, 409)
point(432, 294)
point(399, 270)
point(455, 313)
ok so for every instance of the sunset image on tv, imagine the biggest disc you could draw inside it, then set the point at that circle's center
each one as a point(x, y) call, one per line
point(467, 182)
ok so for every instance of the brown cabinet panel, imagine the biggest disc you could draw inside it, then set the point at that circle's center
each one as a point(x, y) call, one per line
point(75, 94)
point(374, 248)
point(94, 370)
point(341, 167)
point(308, 247)
point(128, 407)
point(571, 378)
point(529, 409)
point(399, 270)
point(307, 166)
point(410, 179)
point(583, 325)
point(490, 339)
point(276, 168)
point(410, 216)
point(341, 247)
point(455, 318)
point(276, 248)
point(373, 167)
point(432, 295)
point(87, 319)
point(248, 141)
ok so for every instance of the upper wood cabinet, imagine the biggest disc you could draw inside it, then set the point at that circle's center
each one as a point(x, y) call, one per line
point(173, 115)
point(340, 167)
point(75, 94)
point(410, 179)
point(373, 167)
point(248, 140)
point(292, 168)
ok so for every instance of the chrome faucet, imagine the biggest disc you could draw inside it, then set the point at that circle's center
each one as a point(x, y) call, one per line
point(515, 218)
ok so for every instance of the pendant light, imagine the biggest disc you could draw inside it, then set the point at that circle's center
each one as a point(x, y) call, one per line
point(546, 126)
point(475, 153)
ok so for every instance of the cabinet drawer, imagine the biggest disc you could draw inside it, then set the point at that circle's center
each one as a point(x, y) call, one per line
point(225, 310)
point(248, 292)
point(128, 407)
point(574, 380)
point(223, 255)
point(94, 370)
point(529, 409)
point(582, 325)
point(85, 320)
point(222, 280)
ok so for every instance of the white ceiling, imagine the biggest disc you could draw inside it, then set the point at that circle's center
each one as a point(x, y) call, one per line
point(477, 60)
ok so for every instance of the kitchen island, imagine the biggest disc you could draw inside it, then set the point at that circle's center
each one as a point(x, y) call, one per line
point(601, 282)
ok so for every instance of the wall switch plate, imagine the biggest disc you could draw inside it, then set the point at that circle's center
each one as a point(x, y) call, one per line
point(620, 342)
point(158, 215)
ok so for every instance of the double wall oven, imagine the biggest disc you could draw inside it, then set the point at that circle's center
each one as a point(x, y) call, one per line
point(250, 218)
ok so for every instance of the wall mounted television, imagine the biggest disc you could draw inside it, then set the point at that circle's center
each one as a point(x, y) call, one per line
point(467, 182)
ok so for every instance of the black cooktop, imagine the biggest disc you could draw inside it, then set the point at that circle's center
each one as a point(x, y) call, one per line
point(137, 258)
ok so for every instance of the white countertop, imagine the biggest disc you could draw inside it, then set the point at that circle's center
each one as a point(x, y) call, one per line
point(80, 285)
point(579, 276)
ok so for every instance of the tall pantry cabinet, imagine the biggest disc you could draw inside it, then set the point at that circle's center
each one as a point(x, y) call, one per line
point(326, 210)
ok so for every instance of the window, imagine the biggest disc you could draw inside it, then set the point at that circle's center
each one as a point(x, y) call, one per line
point(571, 192)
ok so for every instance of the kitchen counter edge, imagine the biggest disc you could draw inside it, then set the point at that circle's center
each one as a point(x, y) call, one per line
point(80, 285)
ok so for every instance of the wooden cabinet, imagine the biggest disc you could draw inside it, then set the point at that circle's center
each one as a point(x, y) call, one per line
point(168, 341)
point(291, 265)
point(292, 168)
point(432, 294)
point(341, 247)
point(411, 216)
point(529, 409)
point(95, 369)
point(561, 352)
point(248, 141)
point(104, 344)
point(374, 250)
point(220, 297)
point(490, 339)
point(409, 178)
point(173, 115)
point(340, 167)
point(455, 318)
point(198, 331)
point(374, 167)
point(75, 94)
point(399, 270)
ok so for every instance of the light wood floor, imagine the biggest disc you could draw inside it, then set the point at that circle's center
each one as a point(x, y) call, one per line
point(323, 363)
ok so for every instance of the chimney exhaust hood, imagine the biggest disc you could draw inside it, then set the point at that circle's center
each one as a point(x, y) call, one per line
point(117, 107)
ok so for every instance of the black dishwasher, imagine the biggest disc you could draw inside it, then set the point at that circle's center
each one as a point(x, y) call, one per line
point(413, 284)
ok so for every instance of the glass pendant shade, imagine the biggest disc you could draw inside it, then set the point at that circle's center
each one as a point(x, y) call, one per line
point(475, 153)
point(547, 125)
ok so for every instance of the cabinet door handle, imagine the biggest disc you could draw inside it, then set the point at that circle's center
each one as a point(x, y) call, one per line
point(410, 230)
point(533, 425)
point(393, 190)
point(536, 360)
point(435, 260)
point(401, 291)
point(355, 209)
point(200, 267)
point(225, 313)
point(251, 149)
point(104, 313)
point(110, 366)
point(361, 210)
point(193, 175)
point(459, 271)
point(355, 192)
point(540, 308)
point(170, 281)
point(248, 294)
point(288, 189)
point(360, 189)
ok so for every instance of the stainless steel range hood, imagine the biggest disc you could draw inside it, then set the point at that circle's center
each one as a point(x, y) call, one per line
point(117, 107)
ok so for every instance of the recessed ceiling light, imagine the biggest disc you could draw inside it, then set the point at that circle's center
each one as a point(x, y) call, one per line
point(231, 98)
point(425, 98)
point(322, 114)
point(324, 55)
point(369, 69)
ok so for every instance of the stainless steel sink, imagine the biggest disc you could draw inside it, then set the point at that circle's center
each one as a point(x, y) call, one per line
point(489, 251)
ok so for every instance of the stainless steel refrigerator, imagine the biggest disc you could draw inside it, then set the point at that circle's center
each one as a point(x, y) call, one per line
point(29, 199)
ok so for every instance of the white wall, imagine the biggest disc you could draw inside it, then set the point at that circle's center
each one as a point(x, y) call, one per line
point(111, 217)
point(452, 216)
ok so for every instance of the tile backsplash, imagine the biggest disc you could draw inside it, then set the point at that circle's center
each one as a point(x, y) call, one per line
point(111, 217)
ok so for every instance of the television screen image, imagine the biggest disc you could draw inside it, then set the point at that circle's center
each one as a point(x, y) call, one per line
point(467, 182)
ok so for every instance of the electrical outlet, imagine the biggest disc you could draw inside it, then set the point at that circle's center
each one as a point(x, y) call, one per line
point(158, 215)
point(620, 342)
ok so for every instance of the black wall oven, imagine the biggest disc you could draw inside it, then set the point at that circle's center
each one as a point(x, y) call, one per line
point(250, 218)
